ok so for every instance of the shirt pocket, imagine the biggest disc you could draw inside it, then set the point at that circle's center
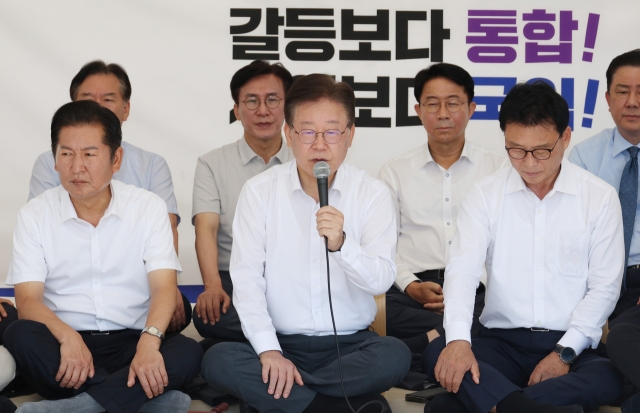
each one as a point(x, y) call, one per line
point(573, 252)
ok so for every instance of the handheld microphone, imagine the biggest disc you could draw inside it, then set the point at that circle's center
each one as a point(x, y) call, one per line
point(322, 170)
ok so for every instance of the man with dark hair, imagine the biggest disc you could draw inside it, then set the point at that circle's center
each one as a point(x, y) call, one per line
point(109, 86)
point(427, 185)
point(94, 271)
point(550, 236)
point(280, 275)
point(258, 91)
point(613, 156)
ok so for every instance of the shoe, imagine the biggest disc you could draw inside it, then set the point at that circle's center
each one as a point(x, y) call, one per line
point(245, 408)
point(631, 405)
point(445, 403)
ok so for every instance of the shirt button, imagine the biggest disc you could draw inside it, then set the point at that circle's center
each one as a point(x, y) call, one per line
point(538, 322)
point(315, 286)
point(449, 242)
point(98, 321)
point(539, 211)
point(539, 239)
point(446, 199)
point(346, 255)
point(447, 175)
point(538, 296)
point(316, 313)
point(314, 260)
point(538, 267)
point(448, 223)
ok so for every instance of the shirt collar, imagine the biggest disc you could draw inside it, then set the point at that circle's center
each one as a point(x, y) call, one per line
point(68, 211)
point(425, 156)
point(620, 144)
point(296, 185)
point(566, 181)
point(247, 154)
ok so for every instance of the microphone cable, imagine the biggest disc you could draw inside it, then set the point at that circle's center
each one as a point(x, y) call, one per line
point(335, 334)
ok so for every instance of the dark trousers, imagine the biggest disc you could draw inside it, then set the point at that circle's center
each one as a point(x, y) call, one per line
point(369, 364)
point(409, 321)
point(508, 357)
point(228, 328)
point(623, 343)
point(37, 355)
point(12, 315)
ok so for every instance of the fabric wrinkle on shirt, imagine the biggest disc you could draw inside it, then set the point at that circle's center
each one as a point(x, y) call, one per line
point(605, 155)
point(219, 178)
point(278, 263)
point(95, 278)
point(554, 263)
point(427, 198)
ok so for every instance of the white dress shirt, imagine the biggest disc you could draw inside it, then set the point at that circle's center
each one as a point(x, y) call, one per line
point(95, 278)
point(278, 262)
point(427, 198)
point(554, 263)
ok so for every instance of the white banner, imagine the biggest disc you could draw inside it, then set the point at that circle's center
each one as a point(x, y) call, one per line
point(180, 56)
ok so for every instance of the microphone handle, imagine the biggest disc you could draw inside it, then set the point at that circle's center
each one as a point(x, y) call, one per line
point(323, 191)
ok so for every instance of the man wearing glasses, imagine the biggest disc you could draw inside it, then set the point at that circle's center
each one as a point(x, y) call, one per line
point(427, 185)
point(279, 271)
point(550, 236)
point(258, 91)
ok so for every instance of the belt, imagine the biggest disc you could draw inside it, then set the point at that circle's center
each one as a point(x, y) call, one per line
point(431, 274)
point(101, 333)
point(633, 276)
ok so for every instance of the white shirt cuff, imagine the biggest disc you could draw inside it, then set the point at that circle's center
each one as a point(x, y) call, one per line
point(403, 280)
point(349, 251)
point(265, 341)
point(575, 339)
point(458, 331)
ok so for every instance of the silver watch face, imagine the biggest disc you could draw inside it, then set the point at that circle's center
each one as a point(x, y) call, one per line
point(153, 331)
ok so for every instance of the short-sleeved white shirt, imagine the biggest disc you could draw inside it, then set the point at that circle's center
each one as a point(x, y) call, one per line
point(95, 278)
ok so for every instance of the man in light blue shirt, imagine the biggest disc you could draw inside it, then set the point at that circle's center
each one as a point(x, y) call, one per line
point(612, 155)
point(109, 86)
point(607, 153)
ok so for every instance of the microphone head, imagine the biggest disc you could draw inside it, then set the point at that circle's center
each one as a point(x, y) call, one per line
point(321, 170)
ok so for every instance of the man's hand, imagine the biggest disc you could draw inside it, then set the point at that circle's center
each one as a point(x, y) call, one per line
point(454, 361)
point(429, 294)
point(212, 302)
point(179, 318)
point(3, 312)
point(148, 367)
point(550, 367)
point(280, 373)
point(76, 362)
point(329, 224)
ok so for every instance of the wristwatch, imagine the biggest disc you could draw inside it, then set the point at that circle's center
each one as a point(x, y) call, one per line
point(153, 331)
point(567, 354)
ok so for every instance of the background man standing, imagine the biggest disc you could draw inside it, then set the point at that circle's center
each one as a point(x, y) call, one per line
point(258, 91)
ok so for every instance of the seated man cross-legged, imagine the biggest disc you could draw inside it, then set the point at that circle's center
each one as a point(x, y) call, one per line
point(550, 236)
point(279, 271)
point(94, 269)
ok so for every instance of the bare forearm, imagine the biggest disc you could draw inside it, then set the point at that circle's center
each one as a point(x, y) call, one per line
point(207, 253)
point(162, 306)
point(173, 218)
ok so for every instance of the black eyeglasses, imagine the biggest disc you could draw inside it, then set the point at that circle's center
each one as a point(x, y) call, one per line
point(252, 103)
point(452, 105)
point(308, 136)
point(539, 154)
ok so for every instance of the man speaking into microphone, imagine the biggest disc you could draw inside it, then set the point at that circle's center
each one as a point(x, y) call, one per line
point(279, 271)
